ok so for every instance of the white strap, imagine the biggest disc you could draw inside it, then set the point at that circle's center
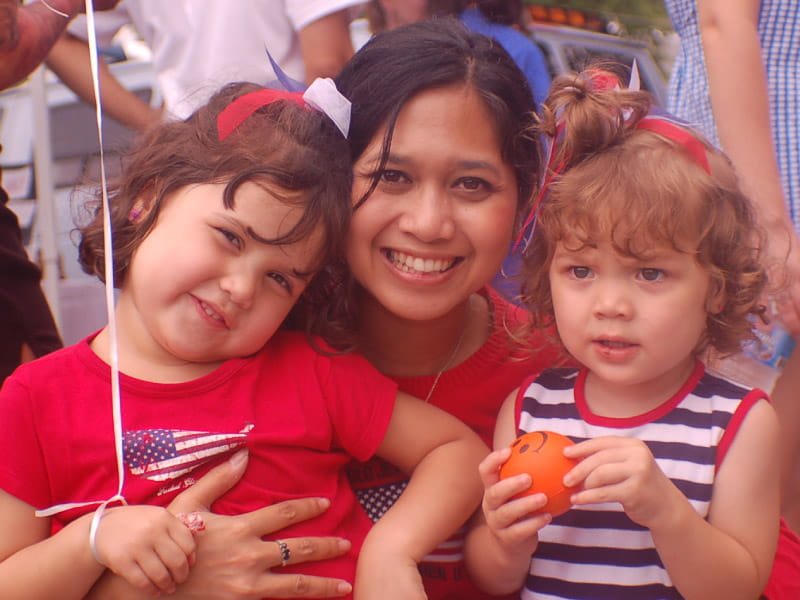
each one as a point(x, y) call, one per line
point(109, 289)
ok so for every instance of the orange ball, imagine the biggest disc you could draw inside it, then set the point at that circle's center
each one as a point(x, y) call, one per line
point(539, 453)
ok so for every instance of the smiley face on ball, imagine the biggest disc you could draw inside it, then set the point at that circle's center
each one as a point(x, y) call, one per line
point(540, 454)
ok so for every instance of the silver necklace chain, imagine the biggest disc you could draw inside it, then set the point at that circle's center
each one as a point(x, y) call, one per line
point(447, 363)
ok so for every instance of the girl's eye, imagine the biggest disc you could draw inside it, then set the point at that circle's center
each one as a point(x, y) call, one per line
point(230, 237)
point(580, 272)
point(651, 274)
point(281, 280)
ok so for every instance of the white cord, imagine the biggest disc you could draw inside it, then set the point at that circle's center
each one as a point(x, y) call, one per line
point(55, 10)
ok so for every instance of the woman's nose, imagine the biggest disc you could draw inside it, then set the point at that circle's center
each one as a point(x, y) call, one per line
point(429, 217)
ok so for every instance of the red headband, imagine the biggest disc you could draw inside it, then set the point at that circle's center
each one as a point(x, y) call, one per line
point(664, 125)
point(237, 111)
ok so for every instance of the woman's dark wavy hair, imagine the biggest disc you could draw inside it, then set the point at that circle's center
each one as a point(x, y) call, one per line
point(396, 65)
point(638, 189)
point(282, 146)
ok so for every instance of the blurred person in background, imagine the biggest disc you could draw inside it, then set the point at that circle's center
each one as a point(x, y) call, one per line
point(199, 45)
point(737, 78)
point(27, 328)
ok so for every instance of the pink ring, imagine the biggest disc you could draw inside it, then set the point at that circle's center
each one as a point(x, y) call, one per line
point(193, 520)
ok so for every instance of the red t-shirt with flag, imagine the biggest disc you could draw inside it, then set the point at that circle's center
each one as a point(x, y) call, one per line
point(302, 415)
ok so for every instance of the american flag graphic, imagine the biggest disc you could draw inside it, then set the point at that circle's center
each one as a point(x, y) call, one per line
point(163, 454)
point(377, 500)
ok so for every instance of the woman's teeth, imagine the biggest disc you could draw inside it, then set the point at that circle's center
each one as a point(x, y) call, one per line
point(415, 264)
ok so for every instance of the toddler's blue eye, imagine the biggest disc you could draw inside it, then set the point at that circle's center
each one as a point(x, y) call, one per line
point(580, 272)
point(650, 274)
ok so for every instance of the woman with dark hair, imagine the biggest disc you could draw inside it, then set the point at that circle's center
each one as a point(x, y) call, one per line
point(444, 162)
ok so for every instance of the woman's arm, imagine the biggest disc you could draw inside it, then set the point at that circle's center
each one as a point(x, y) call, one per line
point(30, 31)
point(442, 455)
point(737, 83)
point(325, 45)
point(233, 562)
point(69, 59)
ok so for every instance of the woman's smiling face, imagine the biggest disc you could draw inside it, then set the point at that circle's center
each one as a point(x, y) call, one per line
point(439, 223)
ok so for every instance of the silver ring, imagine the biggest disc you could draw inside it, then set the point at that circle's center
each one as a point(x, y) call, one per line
point(286, 554)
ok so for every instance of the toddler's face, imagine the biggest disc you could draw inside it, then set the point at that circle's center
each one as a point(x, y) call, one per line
point(631, 321)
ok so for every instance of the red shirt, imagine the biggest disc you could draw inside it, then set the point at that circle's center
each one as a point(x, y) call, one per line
point(303, 416)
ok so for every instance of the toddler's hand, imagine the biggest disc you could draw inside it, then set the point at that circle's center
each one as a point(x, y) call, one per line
point(619, 469)
point(147, 546)
point(514, 522)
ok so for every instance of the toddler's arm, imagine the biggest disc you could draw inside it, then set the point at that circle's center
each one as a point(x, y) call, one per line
point(505, 534)
point(136, 542)
point(442, 455)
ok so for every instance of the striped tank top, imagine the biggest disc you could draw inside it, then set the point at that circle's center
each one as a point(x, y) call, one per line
point(596, 552)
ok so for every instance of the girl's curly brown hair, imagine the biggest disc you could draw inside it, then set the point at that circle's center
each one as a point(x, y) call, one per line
point(638, 189)
point(282, 146)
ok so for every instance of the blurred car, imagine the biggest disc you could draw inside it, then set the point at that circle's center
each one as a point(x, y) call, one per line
point(570, 49)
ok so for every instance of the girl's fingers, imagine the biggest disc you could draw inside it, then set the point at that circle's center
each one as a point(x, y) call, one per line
point(174, 560)
point(516, 510)
point(490, 466)
point(527, 528)
point(183, 538)
point(502, 491)
point(138, 578)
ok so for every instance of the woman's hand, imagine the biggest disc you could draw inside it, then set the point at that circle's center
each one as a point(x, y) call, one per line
point(232, 561)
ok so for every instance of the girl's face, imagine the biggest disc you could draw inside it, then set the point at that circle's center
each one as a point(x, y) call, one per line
point(202, 288)
point(635, 324)
point(439, 223)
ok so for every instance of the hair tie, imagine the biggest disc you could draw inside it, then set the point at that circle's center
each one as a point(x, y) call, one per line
point(601, 80)
point(321, 95)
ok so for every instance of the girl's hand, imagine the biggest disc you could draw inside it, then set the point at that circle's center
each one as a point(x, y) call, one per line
point(147, 546)
point(619, 469)
point(515, 523)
